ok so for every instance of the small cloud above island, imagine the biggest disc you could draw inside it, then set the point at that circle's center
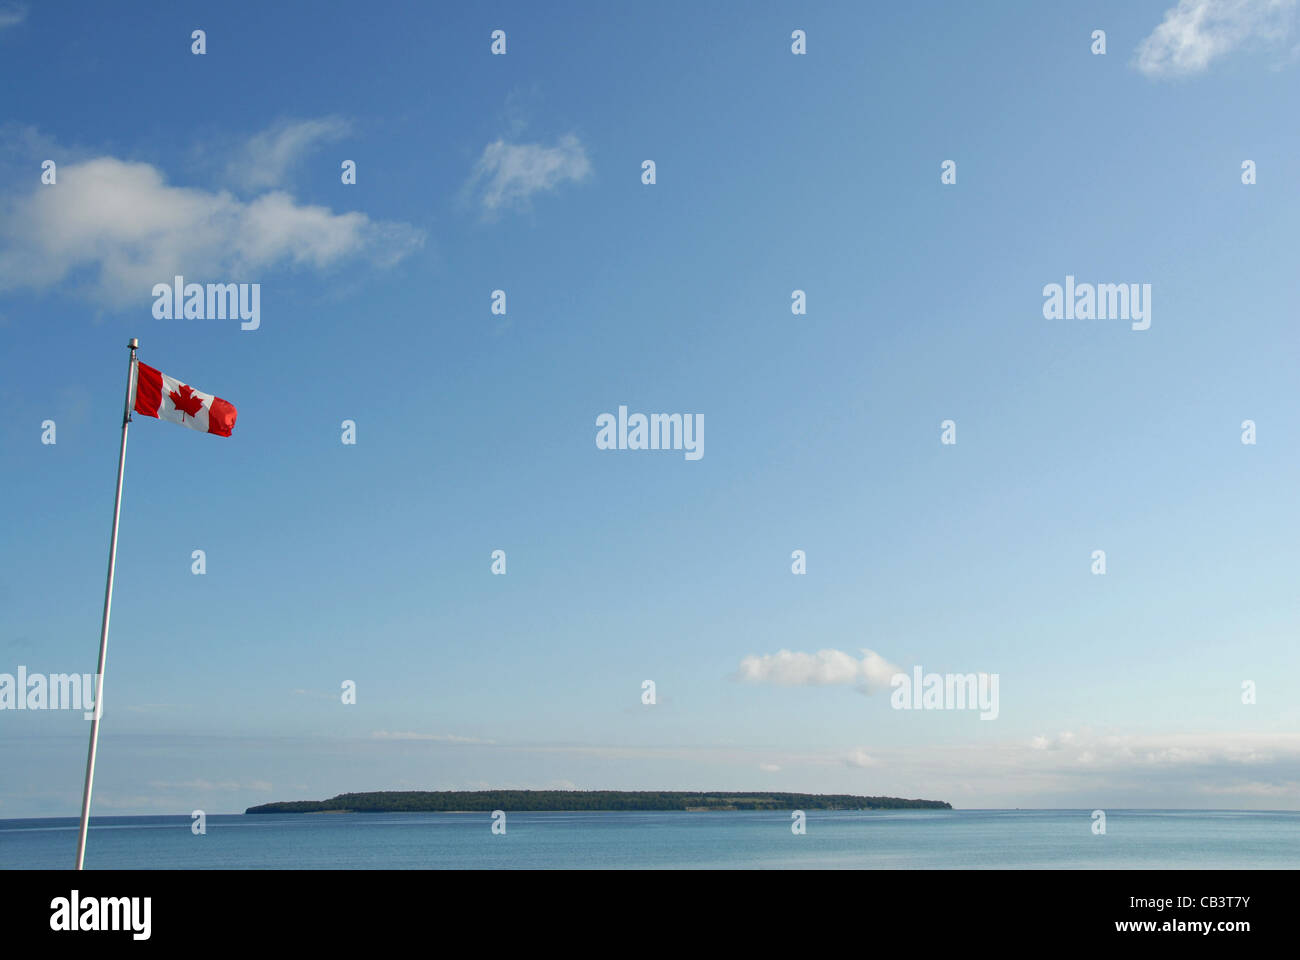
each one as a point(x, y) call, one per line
point(787, 668)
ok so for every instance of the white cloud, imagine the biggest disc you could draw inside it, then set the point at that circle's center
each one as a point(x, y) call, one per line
point(120, 227)
point(267, 157)
point(1061, 741)
point(509, 173)
point(769, 768)
point(12, 14)
point(1197, 32)
point(1166, 752)
point(823, 668)
point(859, 758)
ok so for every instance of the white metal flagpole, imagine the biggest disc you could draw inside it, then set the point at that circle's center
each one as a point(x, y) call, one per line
point(108, 603)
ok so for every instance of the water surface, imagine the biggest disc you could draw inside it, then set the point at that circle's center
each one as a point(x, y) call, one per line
point(885, 839)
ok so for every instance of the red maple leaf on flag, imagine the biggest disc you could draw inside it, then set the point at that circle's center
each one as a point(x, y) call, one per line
point(185, 401)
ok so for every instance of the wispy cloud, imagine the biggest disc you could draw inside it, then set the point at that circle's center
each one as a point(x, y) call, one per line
point(520, 104)
point(1073, 768)
point(1173, 751)
point(12, 14)
point(440, 737)
point(267, 157)
point(120, 227)
point(1079, 768)
point(207, 786)
point(1259, 770)
point(860, 758)
point(1197, 32)
point(508, 174)
point(823, 668)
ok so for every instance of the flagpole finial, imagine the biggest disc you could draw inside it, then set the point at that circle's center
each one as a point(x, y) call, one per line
point(134, 344)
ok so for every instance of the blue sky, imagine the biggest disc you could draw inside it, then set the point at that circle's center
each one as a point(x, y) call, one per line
point(476, 432)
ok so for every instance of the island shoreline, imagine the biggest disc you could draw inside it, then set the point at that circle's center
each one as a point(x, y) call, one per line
point(587, 801)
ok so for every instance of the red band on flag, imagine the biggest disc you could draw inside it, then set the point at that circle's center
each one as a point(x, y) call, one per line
point(148, 390)
point(221, 417)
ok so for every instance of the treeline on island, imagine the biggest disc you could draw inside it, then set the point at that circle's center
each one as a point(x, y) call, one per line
point(422, 801)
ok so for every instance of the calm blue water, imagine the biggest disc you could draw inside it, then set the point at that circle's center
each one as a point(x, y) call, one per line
point(891, 839)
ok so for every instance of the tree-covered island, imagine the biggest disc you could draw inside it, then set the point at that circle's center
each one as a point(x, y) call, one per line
point(469, 801)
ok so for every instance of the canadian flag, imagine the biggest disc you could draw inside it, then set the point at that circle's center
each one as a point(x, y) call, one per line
point(164, 397)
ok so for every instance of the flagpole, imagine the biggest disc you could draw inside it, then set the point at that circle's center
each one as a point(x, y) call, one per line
point(108, 603)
